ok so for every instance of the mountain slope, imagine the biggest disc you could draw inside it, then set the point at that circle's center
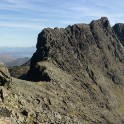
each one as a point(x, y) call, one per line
point(92, 54)
point(79, 79)
point(119, 31)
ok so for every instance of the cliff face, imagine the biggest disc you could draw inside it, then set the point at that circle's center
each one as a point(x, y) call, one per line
point(119, 31)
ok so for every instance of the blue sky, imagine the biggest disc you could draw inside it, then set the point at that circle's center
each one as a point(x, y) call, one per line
point(22, 20)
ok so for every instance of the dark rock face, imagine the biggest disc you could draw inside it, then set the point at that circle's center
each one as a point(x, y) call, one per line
point(79, 48)
point(119, 31)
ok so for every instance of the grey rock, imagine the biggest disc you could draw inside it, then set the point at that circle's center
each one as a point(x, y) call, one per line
point(119, 31)
point(4, 75)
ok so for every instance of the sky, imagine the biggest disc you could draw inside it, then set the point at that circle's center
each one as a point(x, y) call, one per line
point(22, 20)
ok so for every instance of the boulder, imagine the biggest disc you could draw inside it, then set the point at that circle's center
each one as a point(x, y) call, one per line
point(4, 75)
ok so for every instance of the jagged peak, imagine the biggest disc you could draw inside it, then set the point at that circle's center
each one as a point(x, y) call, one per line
point(102, 22)
point(104, 18)
point(118, 26)
point(119, 31)
point(67, 45)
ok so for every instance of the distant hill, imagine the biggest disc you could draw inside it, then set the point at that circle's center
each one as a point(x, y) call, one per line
point(6, 58)
point(18, 62)
point(11, 62)
point(16, 56)
point(17, 52)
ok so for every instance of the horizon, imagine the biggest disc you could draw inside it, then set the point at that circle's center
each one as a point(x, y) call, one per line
point(22, 21)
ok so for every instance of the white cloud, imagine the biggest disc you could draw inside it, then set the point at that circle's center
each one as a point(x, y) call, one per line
point(34, 15)
point(62, 10)
point(21, 25)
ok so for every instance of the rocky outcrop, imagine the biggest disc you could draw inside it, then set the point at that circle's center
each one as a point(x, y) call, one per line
point(5, 80)
point(4, 75)
point(78, 48)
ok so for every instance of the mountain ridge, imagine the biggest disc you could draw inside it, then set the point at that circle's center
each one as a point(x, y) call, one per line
point(76, 77)
point(55, 43)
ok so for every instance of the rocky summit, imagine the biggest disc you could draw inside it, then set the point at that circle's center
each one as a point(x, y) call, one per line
point(76, 76)
point(76, 50)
